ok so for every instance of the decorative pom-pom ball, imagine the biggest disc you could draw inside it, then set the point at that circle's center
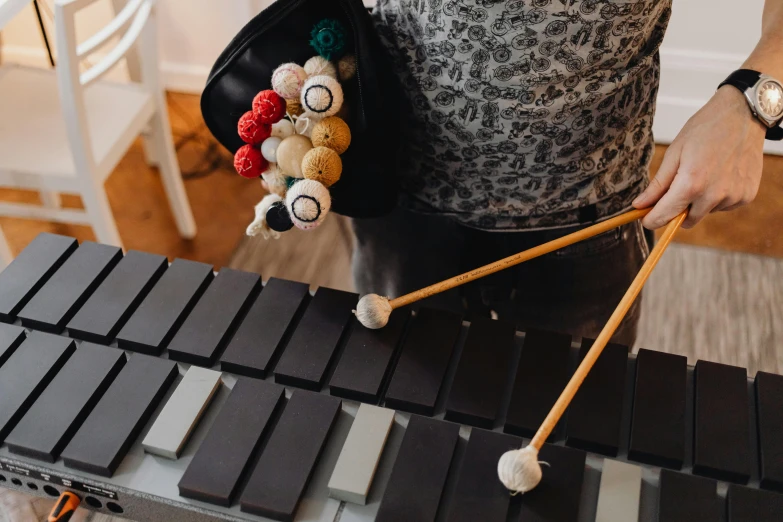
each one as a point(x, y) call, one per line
point(269, 149)
point(373, 311)
point(276, 181)
point(259, 226)
point(305, 123)
point(288, 79)
point(308, 202)
point(332, 133)
point(248, 162)
point(269, 106)
point(283, 129)
point(346, 67)
point(519, 470)
point(322, 95)
point(294, 107)
point(328, 38)
point(252, 130)
point(318, 65)
point(278, 218)
point(322, 165)
point(290, 153)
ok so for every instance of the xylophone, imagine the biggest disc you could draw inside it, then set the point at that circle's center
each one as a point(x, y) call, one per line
point(165, 392)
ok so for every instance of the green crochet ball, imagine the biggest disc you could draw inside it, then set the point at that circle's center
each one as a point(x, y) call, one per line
point(328, 38)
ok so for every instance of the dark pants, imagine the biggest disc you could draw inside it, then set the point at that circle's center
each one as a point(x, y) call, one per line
point(573, 290)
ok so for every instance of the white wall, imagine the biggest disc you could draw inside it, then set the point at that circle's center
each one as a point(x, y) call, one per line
point(192, 34)
point(707, 39)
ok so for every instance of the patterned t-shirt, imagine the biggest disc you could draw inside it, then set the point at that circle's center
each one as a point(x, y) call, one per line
point(526, 111)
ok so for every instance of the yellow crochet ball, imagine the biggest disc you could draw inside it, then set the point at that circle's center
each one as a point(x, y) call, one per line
point(332, 133)
point(346, 67)
point(318, 65)
point(322, 165)
point(294, 107)
point(290, 154)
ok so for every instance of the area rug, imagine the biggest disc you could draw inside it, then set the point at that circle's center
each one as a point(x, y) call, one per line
point(700, 302)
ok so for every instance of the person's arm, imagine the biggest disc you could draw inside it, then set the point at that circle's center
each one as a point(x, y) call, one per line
point(715, 161)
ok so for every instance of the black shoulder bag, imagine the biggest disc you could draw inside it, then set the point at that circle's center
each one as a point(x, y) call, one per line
point(281, 33)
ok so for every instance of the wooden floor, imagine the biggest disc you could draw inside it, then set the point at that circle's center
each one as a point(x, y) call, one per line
point(223, 205)
point(222, 201)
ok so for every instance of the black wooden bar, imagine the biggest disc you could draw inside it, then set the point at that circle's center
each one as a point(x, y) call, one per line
point(265, 328)
point(595, 413)
point(213, 319)
point(26, 374)
point(57, 414)
point(721, 433)
point(543, 371)
point(312, 346)
point(480, 381)
point(367, 359)
point(214, 473)
point(57, 301)
point(418, 377)
point(113, 302)
point(28, 272)
point(108, 432)
point(161, 313)
point(287, 462)
point(658, 419)
point(420, 471)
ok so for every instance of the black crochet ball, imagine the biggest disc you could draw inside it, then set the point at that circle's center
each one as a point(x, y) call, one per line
point(277, 217)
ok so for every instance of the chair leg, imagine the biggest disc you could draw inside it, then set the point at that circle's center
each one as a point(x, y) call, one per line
point(97, 207)
point(50, 199)
point(170, 173)
point(5, 251)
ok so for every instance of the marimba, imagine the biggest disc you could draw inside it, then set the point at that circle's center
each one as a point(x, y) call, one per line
point(165, 392)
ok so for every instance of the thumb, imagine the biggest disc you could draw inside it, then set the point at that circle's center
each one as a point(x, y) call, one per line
point(662, 180)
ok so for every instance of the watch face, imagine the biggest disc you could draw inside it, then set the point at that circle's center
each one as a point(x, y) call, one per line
point(769, 95)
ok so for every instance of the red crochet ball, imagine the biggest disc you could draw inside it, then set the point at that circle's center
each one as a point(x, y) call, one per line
point(252, 130)
point(249, 162)
point(269, 106)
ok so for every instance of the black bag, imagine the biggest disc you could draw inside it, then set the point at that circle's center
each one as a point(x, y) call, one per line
point(281, 33)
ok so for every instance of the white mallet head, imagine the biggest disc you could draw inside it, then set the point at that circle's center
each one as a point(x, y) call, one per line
point(519, 470)
point(373, 311)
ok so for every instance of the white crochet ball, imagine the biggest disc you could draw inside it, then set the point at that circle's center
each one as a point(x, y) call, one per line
point(288, 79)
point(318, 65)
point(308, 202)
point(269, 149)
point(283, 129)
point(322, 95)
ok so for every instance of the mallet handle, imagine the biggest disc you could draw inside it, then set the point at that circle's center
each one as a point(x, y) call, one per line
point(540, 250)
point(606, 333)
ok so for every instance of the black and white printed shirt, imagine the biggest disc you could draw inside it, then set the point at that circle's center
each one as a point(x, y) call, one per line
point(526, 111)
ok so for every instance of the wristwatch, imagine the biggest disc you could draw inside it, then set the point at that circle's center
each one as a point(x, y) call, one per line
point(765, 98)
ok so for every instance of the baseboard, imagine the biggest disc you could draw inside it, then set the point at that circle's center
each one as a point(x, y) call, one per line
point(177, 77)
point(688, 80)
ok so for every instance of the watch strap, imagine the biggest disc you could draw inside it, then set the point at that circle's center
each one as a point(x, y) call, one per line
point(775, 133)
point(744, 79)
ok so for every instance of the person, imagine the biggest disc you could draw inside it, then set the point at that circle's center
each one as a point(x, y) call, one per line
point(532, 118)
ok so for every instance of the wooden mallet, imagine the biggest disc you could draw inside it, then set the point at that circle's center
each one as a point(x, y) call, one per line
point(519, 470)
point(373, 310)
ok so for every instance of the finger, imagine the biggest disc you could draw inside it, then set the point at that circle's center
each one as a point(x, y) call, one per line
point(676, 199)
point(699, 209)
point(662, 180)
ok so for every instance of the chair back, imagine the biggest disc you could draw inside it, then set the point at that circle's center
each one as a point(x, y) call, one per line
point(133, 34)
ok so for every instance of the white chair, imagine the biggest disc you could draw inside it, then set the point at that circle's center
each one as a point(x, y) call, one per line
point(65, 130)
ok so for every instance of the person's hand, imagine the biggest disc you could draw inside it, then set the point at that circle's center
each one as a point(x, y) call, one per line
point(713, 164)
